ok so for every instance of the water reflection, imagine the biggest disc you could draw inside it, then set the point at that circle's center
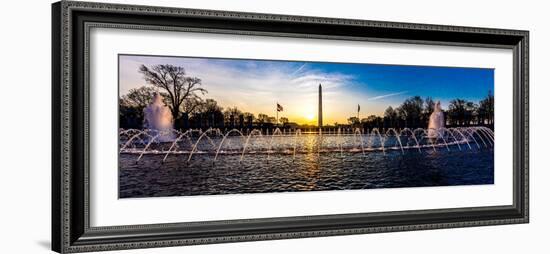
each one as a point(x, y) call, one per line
point(308, 171)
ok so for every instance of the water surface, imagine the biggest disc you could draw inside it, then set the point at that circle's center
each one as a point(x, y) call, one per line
point(306, 171)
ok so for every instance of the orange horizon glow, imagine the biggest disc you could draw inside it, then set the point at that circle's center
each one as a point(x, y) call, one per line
point(256, 86)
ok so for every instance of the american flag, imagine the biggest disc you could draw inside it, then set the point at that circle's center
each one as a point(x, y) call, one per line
point(358, 108)
point(279, 107)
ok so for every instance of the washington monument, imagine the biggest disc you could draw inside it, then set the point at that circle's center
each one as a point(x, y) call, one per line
point(320, 112)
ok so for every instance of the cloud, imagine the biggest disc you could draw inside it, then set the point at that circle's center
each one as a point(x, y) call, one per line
point(386, 96)
point(328, 80)
point(255, 86)
point(298, 70)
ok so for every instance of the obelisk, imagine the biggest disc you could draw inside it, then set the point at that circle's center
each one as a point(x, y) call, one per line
point(320, 113)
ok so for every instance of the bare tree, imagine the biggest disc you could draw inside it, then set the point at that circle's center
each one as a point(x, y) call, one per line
point(209, 106)
point(210, 112)
point(231, 114)
point(249, 117)
point(191, 105)
point(262, 118)
point(173, 80)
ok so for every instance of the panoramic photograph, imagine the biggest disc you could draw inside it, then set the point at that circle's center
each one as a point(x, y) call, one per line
point(208, 126)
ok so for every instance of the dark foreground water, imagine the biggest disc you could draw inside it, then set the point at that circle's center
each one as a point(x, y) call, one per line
point(307, 172)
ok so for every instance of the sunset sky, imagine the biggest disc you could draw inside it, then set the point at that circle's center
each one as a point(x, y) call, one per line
point(257, 85)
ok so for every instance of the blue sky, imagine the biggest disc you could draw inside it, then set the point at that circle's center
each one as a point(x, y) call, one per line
point(256, 85)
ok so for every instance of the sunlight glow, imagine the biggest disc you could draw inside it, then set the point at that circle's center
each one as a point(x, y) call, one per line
point(257, 86)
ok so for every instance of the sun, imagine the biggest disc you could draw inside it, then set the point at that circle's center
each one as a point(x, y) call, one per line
point(310, 116)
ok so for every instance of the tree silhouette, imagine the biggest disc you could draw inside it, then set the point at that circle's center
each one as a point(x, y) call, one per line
point(209, 106)
point(372, 121)
point(353, 120)
point(249, 118)
point(132, 104)
point(140, 97)
point(231, 115)
point(173, 80)
point(191, 105)
point(271, 120)
point(283, 120)
point(262, 118)
point(471, 112)
point(457, 111)
point(208, 113)
point(411, 110)
point(462, 112)
point(391, 117)
point(486, 109)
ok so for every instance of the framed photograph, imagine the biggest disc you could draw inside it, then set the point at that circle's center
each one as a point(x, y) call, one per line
point(181, 126)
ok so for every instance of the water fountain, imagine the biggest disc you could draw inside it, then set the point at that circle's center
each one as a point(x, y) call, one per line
point(437, 122)
point(331, 158)
point(159, 137)
point(169, 162)
point(158, 118)
point(245, 144)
